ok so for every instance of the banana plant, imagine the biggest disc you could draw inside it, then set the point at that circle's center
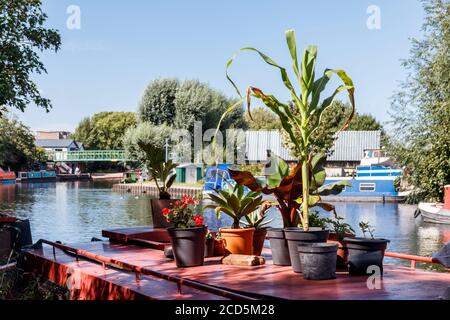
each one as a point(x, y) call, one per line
point(304, 114)
point(286, 185)
point(234, 202)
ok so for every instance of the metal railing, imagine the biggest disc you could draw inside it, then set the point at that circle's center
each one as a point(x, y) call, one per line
point(87, 156)
point(414, 259)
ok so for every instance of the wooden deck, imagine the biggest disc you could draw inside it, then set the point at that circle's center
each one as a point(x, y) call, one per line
point(91, 280)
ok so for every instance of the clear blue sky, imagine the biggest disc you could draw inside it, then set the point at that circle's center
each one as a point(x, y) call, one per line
point(123, 45)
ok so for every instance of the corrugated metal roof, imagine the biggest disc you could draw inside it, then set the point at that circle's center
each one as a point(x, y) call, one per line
point(350, 145)
point(258, 142)
point(54, 143)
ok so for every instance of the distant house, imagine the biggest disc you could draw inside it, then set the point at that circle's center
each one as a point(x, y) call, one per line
point(45, 135)
point(257, 143)
point(59, 145)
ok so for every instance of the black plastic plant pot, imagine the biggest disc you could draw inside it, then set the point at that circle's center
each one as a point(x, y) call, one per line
point(296, 236)
point(188, 246)
point(209, 248)
point(318, 260)
point(279, 247)
point(363, 253)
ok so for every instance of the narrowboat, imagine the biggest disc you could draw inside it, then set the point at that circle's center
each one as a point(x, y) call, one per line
point(37, 176)
point(7, 177)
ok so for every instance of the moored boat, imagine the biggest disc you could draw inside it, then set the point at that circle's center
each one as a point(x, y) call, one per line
point(436, 212)
point(7, 177)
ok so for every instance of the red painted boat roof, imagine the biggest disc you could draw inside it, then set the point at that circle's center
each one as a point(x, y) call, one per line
point(269, 280)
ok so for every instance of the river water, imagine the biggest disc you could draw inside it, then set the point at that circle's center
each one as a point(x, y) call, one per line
point(77, 211)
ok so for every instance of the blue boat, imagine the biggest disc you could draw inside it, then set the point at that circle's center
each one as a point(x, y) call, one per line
point(37, 176)
point(371, 181)
point(216, 177)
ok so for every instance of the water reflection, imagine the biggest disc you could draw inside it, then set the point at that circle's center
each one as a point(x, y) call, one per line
point(78, 211)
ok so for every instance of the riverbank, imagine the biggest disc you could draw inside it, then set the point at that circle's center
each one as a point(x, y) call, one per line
point(150, 189)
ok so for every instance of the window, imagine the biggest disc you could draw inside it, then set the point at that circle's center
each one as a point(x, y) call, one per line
point(367, 187)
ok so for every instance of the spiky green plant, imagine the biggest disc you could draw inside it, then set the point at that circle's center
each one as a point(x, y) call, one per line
point(234, 202)
point(305, 112)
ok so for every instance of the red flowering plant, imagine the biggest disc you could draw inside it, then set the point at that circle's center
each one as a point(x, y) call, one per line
point(185, 213)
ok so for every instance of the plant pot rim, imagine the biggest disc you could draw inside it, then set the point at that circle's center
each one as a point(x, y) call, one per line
point(317, 247)
point(187, 229)
point(365, 240)
point(240, 230)
point(312, 229)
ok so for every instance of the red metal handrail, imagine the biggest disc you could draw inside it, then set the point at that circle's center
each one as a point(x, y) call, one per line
point(142, 270)
point(8, 267)
point(412, 258)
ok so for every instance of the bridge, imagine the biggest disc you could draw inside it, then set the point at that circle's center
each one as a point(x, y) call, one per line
point(88, 156)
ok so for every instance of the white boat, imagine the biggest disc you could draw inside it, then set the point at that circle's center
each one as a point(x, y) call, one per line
point(436, 212)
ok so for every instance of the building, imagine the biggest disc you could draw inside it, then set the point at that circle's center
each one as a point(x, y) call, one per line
point(44, 135)
point(58, 145)
point(349, 148)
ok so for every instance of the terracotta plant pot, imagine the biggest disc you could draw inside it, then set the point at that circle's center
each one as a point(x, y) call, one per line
point(209, 248)
point(238, 241)
point(342, 252)
point(279, 247)
point(219, 250)
point(159, 221)
point(188, 246)
point(258, 241)
point(296, 236)
point(363, 253)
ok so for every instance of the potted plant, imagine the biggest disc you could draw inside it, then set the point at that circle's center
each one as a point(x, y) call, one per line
point(219, 249)
point(286, 186)
point(365, 251)
point(188, 234)
point(318, 260)
point(300, 118)
point(209, 245)
point(258, 221)
point(236, 203)
point(340, 230)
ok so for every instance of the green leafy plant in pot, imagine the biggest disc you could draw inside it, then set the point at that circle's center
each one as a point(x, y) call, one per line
point(258, 221)
point(302, 114)
point(340, 230)
point(188, 234)
point(366, 251)
point(163, 174)
point(237, 204)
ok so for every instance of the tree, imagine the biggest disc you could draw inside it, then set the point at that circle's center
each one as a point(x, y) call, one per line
point(153, 137)
point(21, 35)
point(333, 120)
point(104, 130)
point(157, 105)
point(17, 149)
point(421, 109)
point(197, 101)
point(262, 119)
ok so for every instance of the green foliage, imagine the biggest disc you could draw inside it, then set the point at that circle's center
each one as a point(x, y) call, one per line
point(235, 203)
point(333, 119)
point(258, 220)
point(286, 185)
point(197, 101)
point(315, 220)
point(104, 130)
point(262, 119)
point(22, 35)
point(421, 110)
point(157, 105)
point(152, 136)
point(255, 169)
point(341, 228)
point(162, 173)
point(305, 112)
point(17, 149)
point(366, 227)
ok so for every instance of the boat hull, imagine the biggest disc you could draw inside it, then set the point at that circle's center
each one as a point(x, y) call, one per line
point(434, 213)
